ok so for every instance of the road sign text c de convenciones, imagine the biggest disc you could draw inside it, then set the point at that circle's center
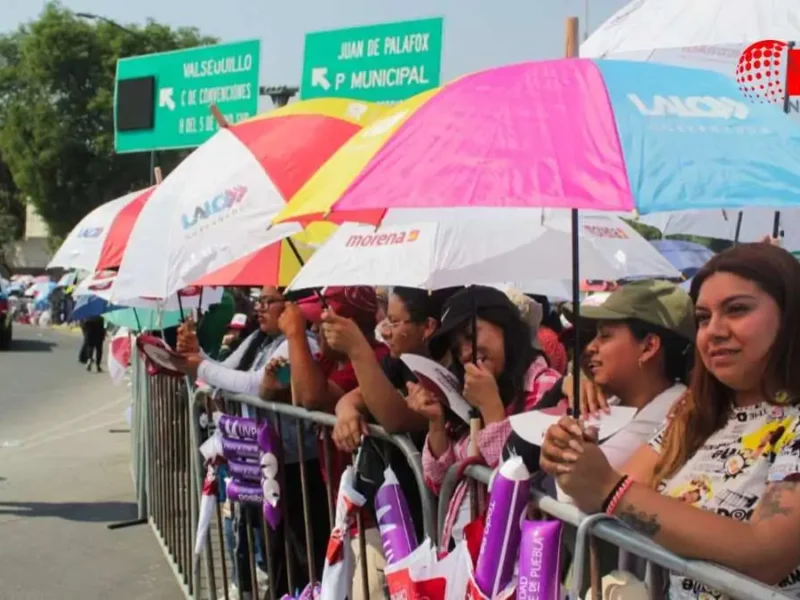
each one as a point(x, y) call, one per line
point(163, 101)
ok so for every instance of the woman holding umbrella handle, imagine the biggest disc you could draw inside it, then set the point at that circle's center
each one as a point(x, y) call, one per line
point(507, 376)
point(725, 466)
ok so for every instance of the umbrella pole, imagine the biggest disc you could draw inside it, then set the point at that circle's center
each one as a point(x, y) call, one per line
point(138, 322)
point(572, 52)
point(300, 260)
point(776, 223)
point(738, 229)
point(475, 423)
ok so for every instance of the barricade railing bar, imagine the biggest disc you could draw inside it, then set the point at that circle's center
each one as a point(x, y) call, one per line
point(170, 420)
point(734, 585)
point(218, 568)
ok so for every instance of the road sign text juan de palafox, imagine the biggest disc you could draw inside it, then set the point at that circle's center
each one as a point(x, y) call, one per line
point(163, 101)
point(377, 63)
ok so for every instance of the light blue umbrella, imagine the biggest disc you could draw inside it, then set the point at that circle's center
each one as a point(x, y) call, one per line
point(143, 319)
point(687, 257)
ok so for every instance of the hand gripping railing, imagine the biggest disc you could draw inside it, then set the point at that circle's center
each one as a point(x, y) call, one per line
point(217, 568)
point(734, 585)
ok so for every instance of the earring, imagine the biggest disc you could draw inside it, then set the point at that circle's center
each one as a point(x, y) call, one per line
point(641, 362)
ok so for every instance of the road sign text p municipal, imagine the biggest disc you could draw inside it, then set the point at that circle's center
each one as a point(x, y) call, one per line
point(377, 63)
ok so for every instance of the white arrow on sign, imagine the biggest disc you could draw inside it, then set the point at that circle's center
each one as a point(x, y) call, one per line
point(165, 98)
point(319, 77)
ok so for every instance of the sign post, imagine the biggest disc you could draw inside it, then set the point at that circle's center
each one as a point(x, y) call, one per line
point(163, 101)
point(377, 63)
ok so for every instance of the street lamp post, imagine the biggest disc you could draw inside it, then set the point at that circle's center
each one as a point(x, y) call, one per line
point(134, 33)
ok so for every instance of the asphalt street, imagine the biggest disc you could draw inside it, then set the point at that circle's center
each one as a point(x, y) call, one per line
point(64, 476)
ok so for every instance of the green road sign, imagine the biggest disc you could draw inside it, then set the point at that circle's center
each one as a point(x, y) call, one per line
point(163, 101)
point(378, 63)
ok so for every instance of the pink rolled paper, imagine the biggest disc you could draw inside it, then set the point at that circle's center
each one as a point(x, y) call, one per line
point(238, 428)
point(539, 561)
point(508, 497)
point(246, 493)
point(244, 471)
point(394, 519)
point(269, 447)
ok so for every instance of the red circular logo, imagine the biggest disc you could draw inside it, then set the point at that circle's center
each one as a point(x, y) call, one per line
point(760, 74)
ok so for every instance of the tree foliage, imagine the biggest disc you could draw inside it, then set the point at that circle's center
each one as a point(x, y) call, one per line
point(56, 110)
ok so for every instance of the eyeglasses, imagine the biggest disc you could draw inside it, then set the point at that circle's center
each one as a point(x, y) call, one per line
point(267, 301)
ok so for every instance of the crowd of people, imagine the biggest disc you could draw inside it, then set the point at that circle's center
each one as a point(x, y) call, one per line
point(711, 456)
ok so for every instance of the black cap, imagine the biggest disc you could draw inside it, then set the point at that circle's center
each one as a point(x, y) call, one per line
point(459, 308)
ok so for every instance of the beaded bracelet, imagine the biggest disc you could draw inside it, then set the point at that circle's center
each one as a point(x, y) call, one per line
point(621, 491)
point(613, 493)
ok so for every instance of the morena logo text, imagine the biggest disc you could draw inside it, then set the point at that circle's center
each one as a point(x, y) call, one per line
point(369, 240)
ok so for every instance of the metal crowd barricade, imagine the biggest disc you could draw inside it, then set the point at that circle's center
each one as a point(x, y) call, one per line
point(217, 567)
point(601, 527)
point(169, 423)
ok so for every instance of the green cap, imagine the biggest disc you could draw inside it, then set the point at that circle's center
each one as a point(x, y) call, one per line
point(658, 303)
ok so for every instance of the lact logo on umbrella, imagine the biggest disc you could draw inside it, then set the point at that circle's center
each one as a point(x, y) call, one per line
point(706, 107)
point(219, 206)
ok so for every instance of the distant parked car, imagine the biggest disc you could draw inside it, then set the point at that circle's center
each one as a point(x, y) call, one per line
point(6, 318)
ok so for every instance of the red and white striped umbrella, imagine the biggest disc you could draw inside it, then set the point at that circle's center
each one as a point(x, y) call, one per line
point(217, 205)
point(98, 241)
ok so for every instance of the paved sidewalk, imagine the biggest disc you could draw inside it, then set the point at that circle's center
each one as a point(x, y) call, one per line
point(64, 477)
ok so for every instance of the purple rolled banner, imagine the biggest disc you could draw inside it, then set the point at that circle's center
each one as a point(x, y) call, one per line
point(311, 593)
point(246, 493)
point(245, 471)
point(508, 498)
point(394, 519)
point(539, 561)
point(237, 428)
point(268, 445)
point(238, 450)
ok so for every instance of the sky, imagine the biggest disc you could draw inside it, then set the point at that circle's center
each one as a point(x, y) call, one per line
point(477, 33)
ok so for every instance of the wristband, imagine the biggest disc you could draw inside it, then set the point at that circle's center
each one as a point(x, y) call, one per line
point(612, 493)
point(620, 493)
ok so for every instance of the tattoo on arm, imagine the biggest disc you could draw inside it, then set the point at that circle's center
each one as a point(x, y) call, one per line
point(773, 502)
point(640, 521)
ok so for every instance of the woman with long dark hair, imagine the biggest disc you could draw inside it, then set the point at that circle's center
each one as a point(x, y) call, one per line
point(507, 375)
point(720, 480)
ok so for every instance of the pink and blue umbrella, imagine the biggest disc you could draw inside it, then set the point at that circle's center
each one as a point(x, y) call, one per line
point(580, 134)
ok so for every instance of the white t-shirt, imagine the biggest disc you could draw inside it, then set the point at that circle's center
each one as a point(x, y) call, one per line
point(621, 446)
point(729, 474)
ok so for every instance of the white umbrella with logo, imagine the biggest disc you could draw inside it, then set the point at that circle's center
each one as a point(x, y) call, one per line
point(216, 206)
point(439, 248)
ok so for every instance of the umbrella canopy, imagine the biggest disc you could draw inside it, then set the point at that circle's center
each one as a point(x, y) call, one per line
point(276, 264)
point(216, 207)
point(686, 257)
point(433, 249)
point(751, 226)
point(607, 135)
point(645, 25)
point(98, 241)
point(143, 319)
point(90, 306)
point(103, 285)
point(40, 290)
